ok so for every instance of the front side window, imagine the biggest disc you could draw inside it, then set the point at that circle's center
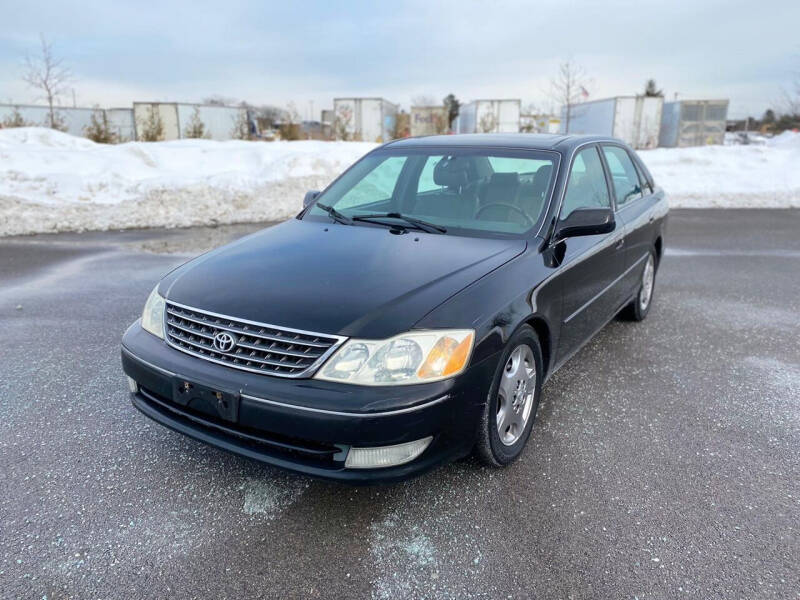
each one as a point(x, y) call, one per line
point(587, 186)
point(460, 190)
point(623, 173)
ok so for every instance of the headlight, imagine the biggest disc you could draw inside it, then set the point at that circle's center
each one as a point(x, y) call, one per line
point(153, 314)
point(413, 357)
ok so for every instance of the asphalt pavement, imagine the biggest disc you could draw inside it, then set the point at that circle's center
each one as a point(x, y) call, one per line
point(664, 461)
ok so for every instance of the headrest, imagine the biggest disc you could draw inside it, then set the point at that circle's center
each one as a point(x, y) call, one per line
point(504, 179)
point(451, 172)
point(542, 178)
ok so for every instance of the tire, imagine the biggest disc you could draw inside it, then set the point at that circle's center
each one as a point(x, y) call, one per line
point(518, 411)
point(639, 307)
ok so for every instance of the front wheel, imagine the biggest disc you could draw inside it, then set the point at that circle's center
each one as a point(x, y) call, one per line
point(512, 402)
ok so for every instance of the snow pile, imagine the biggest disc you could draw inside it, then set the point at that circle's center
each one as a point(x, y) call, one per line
point(743, 176)
point(51, 181)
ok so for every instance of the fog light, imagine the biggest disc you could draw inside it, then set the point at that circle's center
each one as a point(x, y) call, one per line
point(132, 385)
point(385, 456)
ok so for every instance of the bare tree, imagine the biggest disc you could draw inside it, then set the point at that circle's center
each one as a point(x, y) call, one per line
point(47, 73)
point(15, 119)
point(488, 123)
point(151, 129)
point(568, 88)
point(99, 128)
point(195, 128)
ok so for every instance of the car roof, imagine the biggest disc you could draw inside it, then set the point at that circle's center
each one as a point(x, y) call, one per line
point(528, 141)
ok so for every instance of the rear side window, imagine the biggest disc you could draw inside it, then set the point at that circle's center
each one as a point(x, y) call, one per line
point(646, 187)
point(586, 187)
point(624, 175)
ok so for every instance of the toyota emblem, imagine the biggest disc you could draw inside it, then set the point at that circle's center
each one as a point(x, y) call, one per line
point(224, 341)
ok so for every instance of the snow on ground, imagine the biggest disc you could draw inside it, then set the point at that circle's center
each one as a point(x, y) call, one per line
point(51, 181)
point(737, 176)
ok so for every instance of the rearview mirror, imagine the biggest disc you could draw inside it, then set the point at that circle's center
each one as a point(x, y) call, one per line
point(586, 221)
point(310, 197)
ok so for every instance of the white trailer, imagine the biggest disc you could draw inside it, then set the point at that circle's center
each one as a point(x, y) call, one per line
point(72, 120)
point(635, 120)
point(219, 122)
point(428, 120)
point(364, 119)
point(693, 123)
point(120, 120)
point(489, 116)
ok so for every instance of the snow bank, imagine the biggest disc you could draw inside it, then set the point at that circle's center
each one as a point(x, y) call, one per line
point(748, 176)
point(51, 181)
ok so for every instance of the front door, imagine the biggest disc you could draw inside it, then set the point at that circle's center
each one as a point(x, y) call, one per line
point(592, 264)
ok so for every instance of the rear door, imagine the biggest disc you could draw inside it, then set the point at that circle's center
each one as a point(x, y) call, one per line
point(592, 264)
point(634, 200)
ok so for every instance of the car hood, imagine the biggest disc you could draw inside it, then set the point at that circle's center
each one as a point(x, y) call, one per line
point(358, 281)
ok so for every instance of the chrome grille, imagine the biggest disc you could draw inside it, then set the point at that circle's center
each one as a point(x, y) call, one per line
point(258, 347)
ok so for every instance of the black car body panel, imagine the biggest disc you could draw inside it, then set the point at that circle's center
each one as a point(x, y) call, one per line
point(376, 282)
point(361, 282)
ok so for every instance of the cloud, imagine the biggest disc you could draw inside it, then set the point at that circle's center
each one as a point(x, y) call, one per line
point(264, 53)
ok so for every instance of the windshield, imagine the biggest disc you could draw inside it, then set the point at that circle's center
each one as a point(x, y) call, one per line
point(479, 191)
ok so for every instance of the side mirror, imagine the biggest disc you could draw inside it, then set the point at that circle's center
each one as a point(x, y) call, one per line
point(310, 197)
point(586, 221)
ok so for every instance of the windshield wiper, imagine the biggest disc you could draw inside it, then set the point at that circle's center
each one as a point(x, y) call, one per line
point(418, 223)
point(335, 214)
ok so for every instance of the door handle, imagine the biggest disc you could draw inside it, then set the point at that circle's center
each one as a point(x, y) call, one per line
point(620, 244)
point(651, 219)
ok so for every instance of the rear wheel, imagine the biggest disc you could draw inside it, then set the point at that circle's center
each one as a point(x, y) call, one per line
point(513, 399)
point(639, 307)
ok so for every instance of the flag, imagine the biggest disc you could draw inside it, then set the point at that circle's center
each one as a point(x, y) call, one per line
point(584, 93)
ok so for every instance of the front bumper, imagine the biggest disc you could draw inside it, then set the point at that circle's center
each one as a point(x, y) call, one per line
point(308, 425)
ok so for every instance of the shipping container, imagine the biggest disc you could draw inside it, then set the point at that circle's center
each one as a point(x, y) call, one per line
point(428, 120)
point(693, 123)
point(635, 120)
point(489, 116)
point(364, 119)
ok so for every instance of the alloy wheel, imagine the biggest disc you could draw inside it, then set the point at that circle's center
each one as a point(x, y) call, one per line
point(515, 394)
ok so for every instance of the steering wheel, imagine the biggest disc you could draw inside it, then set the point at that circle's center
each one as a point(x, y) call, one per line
point(516, 209)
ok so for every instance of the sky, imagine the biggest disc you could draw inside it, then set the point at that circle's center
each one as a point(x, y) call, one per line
point(308, 53)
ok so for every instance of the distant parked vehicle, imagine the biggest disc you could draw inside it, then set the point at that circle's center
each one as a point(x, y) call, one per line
point(410, 313)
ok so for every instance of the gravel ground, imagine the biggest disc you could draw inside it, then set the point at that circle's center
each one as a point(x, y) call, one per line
point(664, 461)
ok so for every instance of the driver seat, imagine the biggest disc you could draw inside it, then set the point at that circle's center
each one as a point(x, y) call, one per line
point(502, 188)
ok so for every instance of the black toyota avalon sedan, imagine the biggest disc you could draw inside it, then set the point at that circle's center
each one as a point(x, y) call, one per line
point(411, 312)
